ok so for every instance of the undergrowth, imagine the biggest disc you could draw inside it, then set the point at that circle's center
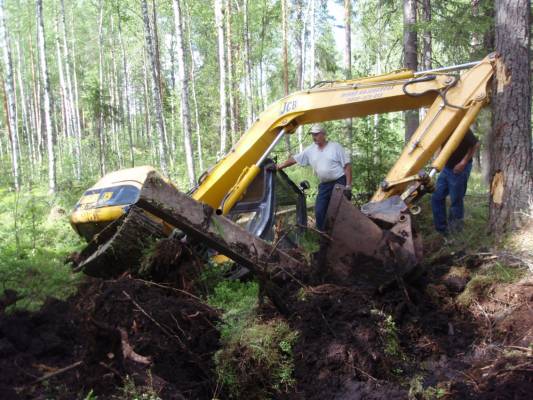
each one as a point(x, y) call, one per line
point(35, 238)
point(256, 359)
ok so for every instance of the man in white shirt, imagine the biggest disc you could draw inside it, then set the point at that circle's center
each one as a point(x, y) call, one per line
point(331, 163)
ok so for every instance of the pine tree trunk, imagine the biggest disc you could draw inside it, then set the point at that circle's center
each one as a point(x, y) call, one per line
point(183, 76)
point(511, 161)
point(219, 22)
point(410, 58)
point(9, 99)
point(46, 98)
point(313, 45)
point(156, 92)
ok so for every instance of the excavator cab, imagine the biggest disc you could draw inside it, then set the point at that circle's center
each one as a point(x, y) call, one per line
point(273, 208)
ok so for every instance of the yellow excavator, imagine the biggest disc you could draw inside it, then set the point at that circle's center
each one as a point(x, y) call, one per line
point(374, 243)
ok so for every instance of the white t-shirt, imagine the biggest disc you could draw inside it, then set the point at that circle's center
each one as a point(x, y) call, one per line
point(328, 162)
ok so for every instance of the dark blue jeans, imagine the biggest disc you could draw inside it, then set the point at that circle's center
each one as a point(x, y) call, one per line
point(322, 201)
point(453, 185)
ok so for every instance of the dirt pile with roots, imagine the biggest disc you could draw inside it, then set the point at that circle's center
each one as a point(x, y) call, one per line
point(412, 340)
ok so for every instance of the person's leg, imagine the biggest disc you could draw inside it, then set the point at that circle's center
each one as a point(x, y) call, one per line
point(438, 203)
point(322, 201)
point(457, 186)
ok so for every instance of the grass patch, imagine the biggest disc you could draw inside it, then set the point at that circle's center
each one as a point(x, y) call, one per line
point(35, 238)
point(256, 359)
point(487, 277)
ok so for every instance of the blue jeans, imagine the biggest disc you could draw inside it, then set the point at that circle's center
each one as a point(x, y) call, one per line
point(322, 201)
point(454, 185)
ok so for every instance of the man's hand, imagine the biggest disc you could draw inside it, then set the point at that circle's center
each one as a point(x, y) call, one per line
point(459, 168)
point(347, 192)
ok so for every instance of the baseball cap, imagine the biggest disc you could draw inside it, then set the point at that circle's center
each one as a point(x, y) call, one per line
point(317, 128)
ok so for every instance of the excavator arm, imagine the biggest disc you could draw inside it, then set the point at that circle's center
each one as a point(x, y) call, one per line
point(453, 101)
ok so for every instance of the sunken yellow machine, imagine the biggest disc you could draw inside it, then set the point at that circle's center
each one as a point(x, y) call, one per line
point(375, 243)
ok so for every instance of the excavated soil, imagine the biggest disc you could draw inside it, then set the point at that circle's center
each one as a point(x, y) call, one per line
point(410, 341)
point(154, 335)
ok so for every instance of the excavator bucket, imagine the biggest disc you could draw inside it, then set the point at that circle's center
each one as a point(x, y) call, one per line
point(374, 247)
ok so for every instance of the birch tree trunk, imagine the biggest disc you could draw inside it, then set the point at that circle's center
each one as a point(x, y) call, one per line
point(156, 92)
point(248, 72)
point(27, 133)
point(9, 101)
point(193, 87)
point(313, 45)
point(183, 77)
point(231, 75)
point(126, 89)
point(426, 35)
point(348, 60)
point(46, 98)
point(511, 164)
point(101, 134)
point(219, 22)
point(285, 29)
point(410, 58)
point(73, 113)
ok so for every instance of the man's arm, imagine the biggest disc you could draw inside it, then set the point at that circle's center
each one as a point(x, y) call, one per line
point(287, 163)
point(348, 173)
point(460, 166)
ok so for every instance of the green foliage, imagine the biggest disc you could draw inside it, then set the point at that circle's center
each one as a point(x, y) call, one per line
point(256, 358)
point(258, 362)
point(485, 278)
point(238, 300)
point(35, 238)
point(130, 391)
point(389, 335)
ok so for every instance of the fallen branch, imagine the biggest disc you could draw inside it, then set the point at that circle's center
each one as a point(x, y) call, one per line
point(56, 373)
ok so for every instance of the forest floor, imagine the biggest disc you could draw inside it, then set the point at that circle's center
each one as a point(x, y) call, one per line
point(461, 328)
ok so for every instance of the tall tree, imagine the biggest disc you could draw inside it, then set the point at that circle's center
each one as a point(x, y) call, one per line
point(46, 98)
point(9, 89)
point(219, 22)
point(426, 35)
point(101, 132)
point(183, 76)
point(410, 58)
point(511, 164)
point(348, 58)
point(248, 65)
point(156, 88)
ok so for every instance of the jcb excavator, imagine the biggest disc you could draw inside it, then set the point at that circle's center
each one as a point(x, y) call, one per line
point(376, 243)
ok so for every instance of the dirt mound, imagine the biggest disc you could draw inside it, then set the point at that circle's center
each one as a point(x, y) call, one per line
point(158, 337)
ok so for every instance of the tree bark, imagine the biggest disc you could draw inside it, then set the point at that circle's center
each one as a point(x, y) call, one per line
point(219, 22)
point(510, 142)
point(285, 29)
point(193, 89)
point(248, 65)
point(231, 75)
point(183, 76)
point(426, 35)
point(156, 92)
point(348, 59)
point(9, 91)
point(410, 58)
point(101, 134)
point(126, 89)
point(46, 98)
